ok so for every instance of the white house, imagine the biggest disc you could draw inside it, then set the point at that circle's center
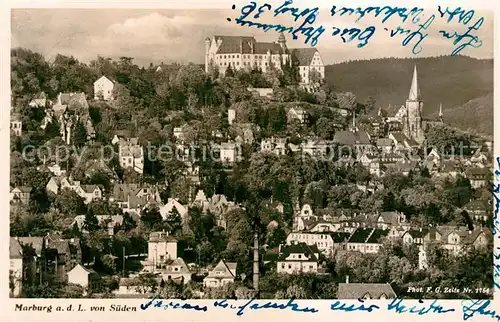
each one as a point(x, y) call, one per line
point(177, 271)
point(16, 124)
point(223, 273)
point(298, 258)
point(131, 155)
point(84, 277)
point(230, 152)
point(161, 248)
point(103, 89)
point(173, 203)
point(15, 267)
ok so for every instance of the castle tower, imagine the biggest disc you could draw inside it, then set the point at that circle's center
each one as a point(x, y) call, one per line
point(207, 56)
point(282, 41)
point(412, 123)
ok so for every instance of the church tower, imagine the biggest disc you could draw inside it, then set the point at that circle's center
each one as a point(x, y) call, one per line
point(412, 124)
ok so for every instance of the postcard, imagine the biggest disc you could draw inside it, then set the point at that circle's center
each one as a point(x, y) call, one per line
point(250, 160)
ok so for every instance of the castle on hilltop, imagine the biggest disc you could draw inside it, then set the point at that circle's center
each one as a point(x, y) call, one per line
point(241, 52)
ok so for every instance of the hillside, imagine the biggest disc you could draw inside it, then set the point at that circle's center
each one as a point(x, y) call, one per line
point(475, 116)
point(452, 81)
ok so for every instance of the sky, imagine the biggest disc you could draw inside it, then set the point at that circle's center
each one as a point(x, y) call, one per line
point(175, 35)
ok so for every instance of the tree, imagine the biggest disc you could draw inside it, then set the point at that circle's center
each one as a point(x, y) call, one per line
point(69, 202)
point(91, 223)
point(325, 128)
point(370, 104)
point(174, 220)
point(79, 134)
point(151, 218)
point(347, 101)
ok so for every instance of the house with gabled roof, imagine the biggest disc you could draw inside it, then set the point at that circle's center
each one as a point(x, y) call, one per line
point(478, 177)
point(222, 274)
point(297, 114)
point(176, 271)
point(480, 210)
point(20, 194)
point(103, 88)
point(297, 259)
point(366, 240)
point(365, 291)
point(173, 203)
point(131, 155)
point(85, 277)
point(414, 236)
point(310, 64)
point(39, 101)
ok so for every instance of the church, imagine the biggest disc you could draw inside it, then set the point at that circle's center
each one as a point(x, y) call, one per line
point(241, 52)
point(410, 114)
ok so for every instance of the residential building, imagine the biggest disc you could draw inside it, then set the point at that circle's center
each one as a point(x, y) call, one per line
point(323, 241)
point(231, 116)
point(222, 274)
point(274, 145)
point(133, 198)
point(478, 177)
point(161, 249)
point(87, 278)
point(297, 259)
point(131, 155)
point(20, 194)
point(230, 152)
point(414, 236)
point(359, 140)
point(172, 205)
point(479, 210)
point(176, 271)
point(297, 114)
point(40, 101)
point(103, 89)
point(365, 291)
point(110, 222)
point(16, 124)
point(16, 267)
point(366, 240)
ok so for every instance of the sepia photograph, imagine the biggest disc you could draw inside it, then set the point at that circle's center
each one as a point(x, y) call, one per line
point(205, 154)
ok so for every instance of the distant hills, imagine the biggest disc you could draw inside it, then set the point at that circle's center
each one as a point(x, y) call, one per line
point(475, 116)
point(464, 85)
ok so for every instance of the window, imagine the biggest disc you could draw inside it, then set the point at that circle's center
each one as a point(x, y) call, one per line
point(310, 267)
point(289, 266)
point(300, 256)
point(176, 269)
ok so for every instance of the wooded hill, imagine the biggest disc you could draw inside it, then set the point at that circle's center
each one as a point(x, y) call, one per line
point(450, 80)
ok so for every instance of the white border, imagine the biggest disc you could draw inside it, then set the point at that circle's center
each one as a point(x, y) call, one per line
point(213, 314)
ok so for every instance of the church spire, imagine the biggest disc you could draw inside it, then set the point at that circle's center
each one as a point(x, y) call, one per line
point(414, 89)
point(440, 109)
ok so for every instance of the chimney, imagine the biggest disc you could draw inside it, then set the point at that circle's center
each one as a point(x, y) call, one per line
point(256, 262)
point(347, 279)
point(420, 229)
